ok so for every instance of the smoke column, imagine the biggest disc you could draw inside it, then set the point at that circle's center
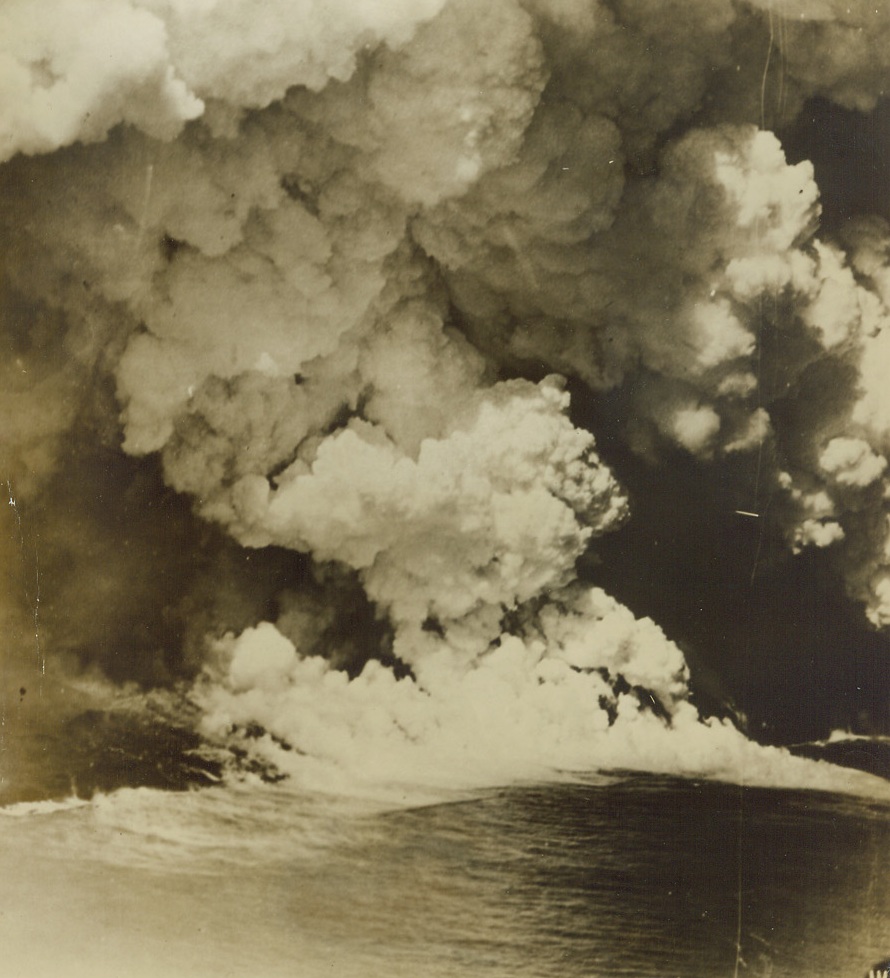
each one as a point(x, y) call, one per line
point(377, 375)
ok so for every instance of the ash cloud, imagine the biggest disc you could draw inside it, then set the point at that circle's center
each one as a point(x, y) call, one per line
point(290, 303)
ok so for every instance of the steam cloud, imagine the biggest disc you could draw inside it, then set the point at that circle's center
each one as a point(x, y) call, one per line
point(319, 271)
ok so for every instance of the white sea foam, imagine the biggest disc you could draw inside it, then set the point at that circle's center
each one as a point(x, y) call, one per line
point(28, 809)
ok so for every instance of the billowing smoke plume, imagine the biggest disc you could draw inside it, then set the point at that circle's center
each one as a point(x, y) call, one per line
point(291, 297)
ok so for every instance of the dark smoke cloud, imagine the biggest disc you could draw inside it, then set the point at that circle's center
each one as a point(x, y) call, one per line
point(288, 307)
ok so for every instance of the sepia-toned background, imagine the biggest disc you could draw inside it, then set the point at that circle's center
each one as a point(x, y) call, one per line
point(446, 524)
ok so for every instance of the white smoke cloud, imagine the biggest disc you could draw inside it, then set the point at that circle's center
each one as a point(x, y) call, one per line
point(483, 520)
point(851, 462)
point(309, 254)
point(65, 78)
point(80, 67)
point(528, 709)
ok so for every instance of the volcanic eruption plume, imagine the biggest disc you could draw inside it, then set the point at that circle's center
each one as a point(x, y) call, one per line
point(375, 373)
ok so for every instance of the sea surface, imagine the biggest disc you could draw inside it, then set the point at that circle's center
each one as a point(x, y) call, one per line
point(630, 876)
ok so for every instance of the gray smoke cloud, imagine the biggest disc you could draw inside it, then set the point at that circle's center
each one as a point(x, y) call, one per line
point(290, 298)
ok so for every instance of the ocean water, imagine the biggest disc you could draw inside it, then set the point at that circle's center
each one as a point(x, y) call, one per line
point(632, 876)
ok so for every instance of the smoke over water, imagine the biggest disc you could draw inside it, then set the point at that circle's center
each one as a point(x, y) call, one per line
point(392, 390)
